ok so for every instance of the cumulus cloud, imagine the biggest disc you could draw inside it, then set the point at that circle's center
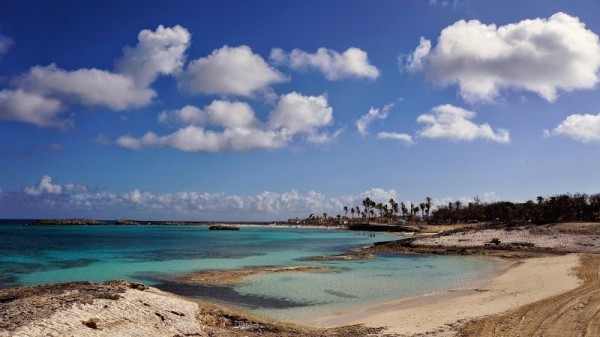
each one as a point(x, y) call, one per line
point(197, 139)
point(584, 128)
point(402, 137)
point(374, 113)
point(21, 106)
point(41, 94)
point(354, 62)
point(91, 87)
point(5, 44)
point(238, 129)
point(296, 113)
point(45, 185)
point(230, 71)
point(544, 56)
point(157, 52)
point(231, 114)
point(448, 121)
point(189, 114)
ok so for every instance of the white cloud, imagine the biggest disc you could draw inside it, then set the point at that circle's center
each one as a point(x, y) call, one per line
point(44, 91)
point(354, 62)
point(414, 62)
point(448, 121)
point(45, 185)
point(5, 44)
point(230, 71)
point(75, 187)
point(197, 139)
point(221, 113)
point(489, 197)
point(91, 87)
point(584, 128)
point(374, 113)
point(296, 113)
point(157, 52)
point(293, 115)
point(267, 203)
point(402, 137)
point(231, 114)
point(189, 114)
point(542, 55)
point(21, 106)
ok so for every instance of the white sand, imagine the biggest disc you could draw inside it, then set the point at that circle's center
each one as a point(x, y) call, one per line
point(526, 282)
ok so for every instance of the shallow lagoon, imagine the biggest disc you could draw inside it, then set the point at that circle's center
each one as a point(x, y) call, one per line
point(39, 254)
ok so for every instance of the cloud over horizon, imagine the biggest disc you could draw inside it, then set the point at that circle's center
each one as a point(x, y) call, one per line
point(78, 199)
point(544, 55)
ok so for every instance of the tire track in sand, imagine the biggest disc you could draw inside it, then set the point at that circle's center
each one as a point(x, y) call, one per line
point(575, 313)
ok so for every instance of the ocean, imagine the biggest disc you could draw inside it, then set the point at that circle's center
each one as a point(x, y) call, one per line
point(31, 255)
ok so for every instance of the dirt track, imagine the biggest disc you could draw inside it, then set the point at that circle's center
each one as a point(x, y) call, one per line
point(575, 313)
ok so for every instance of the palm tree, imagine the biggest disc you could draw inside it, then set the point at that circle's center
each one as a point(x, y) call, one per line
point(346, 210)
point(352, 212)
point(422, 207)
point(403, 208)
point(367, 204)
point(427, 205)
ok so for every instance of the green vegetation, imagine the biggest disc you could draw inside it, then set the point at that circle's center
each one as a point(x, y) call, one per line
point(557, 208)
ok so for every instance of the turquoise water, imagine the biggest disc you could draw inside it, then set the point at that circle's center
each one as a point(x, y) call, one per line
point(32, 255)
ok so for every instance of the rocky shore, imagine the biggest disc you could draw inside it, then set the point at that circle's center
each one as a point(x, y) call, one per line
point(121, 308)
point(501, 241)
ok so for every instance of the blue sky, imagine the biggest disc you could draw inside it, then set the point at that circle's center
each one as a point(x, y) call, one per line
point(275, 109)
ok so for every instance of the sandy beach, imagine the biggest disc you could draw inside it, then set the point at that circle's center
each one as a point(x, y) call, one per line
point(522, 282)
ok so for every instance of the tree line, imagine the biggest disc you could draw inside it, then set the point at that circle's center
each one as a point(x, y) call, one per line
point(556, 208)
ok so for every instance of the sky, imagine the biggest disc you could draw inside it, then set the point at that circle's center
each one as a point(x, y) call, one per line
point(269, 110)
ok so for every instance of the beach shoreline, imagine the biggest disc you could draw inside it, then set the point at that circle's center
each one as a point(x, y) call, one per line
point(544, 266)
point(520, 282)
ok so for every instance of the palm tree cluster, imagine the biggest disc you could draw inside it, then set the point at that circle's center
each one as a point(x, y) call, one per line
point(388, 212)
point(557, 208)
